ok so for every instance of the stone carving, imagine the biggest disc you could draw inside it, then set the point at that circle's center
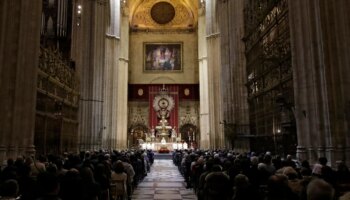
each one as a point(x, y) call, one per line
point(189, 113)
point(52, 63)
point(138, 113)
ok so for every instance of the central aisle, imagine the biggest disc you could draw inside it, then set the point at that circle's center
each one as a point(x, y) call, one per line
point(163, 182)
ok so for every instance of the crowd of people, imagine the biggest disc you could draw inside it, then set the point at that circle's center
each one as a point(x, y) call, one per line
point(223, 174)
point(212, 174)
point(88, 176)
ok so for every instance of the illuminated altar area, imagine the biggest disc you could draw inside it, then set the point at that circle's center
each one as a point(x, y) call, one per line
point(163, 117)
point(164, 137)
point(169, 141)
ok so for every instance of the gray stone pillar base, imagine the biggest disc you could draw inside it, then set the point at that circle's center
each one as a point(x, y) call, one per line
point(301, 153)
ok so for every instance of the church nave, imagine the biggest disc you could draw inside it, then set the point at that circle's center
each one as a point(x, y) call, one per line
point(163, 182)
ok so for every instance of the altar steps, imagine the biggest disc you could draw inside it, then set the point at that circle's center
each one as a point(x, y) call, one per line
point(163, 156)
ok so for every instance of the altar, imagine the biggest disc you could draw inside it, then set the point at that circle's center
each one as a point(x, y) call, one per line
point(163, 137)
point(157, 146)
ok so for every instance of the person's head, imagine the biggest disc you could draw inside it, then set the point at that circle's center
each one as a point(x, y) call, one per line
point(42, 158)
point(290, 173)
point(346, 196)
point(10, 162)
point(9, 188)
point(267, 159)
point(217, 168)
point(49, 183)
point(317, 169)
point(305, 164)
point(119, 167)
point(87, 175)
point(319, 189)
point(277, 186)
point(323, 160)
point(254, 160)
point(209, 165)
point(241, 181)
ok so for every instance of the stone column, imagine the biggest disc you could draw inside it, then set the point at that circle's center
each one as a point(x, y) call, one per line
point(111, 66)
point(19, 58)
point(81, 34)
point(233, 76)
point(216, 137)
point(319, 40)
point(203, 80)
point(89, 34)
point(122, 83)
point(98, 57)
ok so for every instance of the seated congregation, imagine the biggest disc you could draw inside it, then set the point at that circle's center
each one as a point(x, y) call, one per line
point(87, 176)
point(222, 174)
point(210, 174)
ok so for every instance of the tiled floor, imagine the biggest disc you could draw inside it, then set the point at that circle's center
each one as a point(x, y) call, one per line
point(163, 182)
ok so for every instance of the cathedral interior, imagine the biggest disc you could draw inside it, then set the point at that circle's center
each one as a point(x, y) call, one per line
point(247, 75)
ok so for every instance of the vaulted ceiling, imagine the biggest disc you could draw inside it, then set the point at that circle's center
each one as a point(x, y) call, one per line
point(163, 14)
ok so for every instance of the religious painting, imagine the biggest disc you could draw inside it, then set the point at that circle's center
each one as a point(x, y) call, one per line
point(162, 57)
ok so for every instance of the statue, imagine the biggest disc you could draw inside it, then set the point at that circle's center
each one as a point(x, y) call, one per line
point(152, 132)
point(163, 142)
point(173, 133)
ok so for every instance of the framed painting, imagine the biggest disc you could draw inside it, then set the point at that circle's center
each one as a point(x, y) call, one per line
point(162, 57)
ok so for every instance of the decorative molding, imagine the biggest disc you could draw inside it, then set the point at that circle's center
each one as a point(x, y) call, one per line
point(124, 59)
point(213, 35)
point(203, 58)
point(112, 36)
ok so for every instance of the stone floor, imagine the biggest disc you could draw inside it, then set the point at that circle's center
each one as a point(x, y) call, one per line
point(163, 182)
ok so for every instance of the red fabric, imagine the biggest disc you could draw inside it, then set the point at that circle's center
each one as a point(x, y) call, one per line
point(177, 91)
point(173, 118)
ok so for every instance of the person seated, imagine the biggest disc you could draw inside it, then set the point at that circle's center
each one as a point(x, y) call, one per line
point(278, 189)
point(118, 180)
point(9, 190)
point(217, 184)
point(49, 185)
point(243, 189)
point(319, 189)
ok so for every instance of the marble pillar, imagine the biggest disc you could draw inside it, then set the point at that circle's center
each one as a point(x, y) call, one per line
point(203, 80)
point(320, 39)
point(19, 58)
